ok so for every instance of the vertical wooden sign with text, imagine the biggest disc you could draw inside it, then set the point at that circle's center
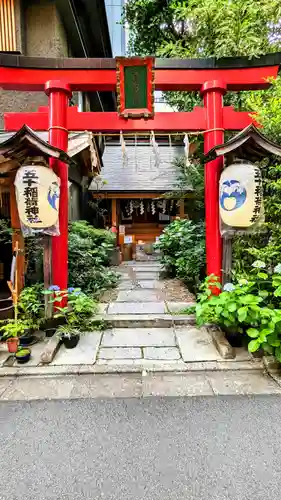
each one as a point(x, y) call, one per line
point(135, 87)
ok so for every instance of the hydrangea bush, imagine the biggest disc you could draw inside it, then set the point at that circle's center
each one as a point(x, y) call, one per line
point(250, 306)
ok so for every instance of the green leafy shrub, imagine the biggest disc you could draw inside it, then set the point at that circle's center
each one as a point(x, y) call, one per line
point(182, 247)
point(89, 254)
point(249, 306)
point(78, 314)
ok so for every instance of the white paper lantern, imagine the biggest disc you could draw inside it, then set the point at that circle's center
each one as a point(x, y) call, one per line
point(240, 197)
point(37, 193)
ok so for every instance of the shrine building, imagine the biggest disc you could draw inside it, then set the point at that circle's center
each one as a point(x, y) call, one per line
point(136, 185)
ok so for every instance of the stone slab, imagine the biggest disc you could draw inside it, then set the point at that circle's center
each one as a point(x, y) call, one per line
point(150, 284)
point(242, 383)
point(146, 275)
point(242, 354)
point(138, 320)
point(146, 269)
point(139, 337)
point(85, 352)
point(184, 319)
point(161, 353)
point(176, 385)
point(220, 341)
point(51, 348)
point(136, 308)
point(175, 307)
point(196, 344)
point(5, 384)
point(102, 308)
point(4, 354)
point(125, 285)
point(120, 353)
point(139, 295)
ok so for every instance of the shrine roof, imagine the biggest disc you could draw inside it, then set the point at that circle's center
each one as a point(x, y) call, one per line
point(139, 173)
point(19, 61)
point(249, 144)
point(14, 146)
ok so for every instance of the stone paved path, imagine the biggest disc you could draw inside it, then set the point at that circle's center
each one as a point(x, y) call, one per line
point(145, 332)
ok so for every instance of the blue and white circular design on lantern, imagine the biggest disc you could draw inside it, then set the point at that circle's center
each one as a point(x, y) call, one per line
point(240, 203)
point(232, 195)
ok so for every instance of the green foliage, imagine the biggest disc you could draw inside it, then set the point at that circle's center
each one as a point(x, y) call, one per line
point(202, 28)
point(5, 232)
point(197, 28)
point(22, 351)
point(248, 306)
point(12, 328)
point(79, 312)
point(189, 177)
point(182, 247)
point(89, 253)
point(31, 306)
point(265, 245)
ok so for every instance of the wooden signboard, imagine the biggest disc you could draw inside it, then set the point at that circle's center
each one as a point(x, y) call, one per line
point(135, 87)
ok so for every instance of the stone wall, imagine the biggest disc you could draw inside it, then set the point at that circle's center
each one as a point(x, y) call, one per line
point(40, 32)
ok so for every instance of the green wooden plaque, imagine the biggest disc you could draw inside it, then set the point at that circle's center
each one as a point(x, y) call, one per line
point(135, 83)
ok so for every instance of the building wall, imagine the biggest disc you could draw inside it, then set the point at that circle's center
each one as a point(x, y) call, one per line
point(74, 202)
point(116, 30)
point(39, 32)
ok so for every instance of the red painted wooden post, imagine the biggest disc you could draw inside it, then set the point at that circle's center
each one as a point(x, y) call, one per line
point(59, 93)
point(213, 92)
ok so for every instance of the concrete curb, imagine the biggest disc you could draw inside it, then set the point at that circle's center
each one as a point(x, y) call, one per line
point(137, 367)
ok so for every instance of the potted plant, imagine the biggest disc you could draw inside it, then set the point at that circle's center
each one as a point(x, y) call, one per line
point(69, 335)
point(77, 317)
point(23, 355)
point(12, 330)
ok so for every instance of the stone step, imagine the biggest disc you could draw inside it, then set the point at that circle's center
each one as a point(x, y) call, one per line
point(145, 269)
point(127, 284)
point(140, 276)
point(145, 320)
point(153, 263)
point(140, 295)
point(136, 308)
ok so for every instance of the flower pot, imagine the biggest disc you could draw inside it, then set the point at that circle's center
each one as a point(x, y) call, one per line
point(50, 332)
point(52, 323)
point(71, 342)
point(27, 338)
point(23, 356)
point(13, 344)
point(234, 338)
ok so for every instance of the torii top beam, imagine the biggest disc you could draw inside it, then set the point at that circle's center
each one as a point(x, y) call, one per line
point(31, 73)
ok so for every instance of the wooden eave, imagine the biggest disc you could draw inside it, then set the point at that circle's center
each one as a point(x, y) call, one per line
point(26, 143)
point(249, 144)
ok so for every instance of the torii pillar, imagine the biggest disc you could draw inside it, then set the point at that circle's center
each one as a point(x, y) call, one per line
point(59, 94)
point(213, 93)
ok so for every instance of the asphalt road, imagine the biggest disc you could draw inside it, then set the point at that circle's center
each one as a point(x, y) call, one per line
point(131, 449)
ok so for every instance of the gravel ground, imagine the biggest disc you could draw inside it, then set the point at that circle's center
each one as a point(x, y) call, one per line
point(151, 449)
point(176, 291)
point(109, 295)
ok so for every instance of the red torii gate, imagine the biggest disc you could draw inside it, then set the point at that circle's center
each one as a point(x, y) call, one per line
point(59, 77)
